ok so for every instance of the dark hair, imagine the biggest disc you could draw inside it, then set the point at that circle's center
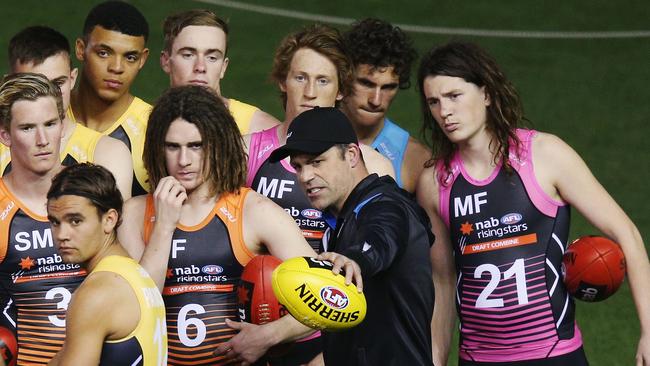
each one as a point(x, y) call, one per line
point(26, 86)
point(323, 39)
point(117, 16)
point(471, 63)
point(35, 44)
point(378, 43)
point(91, 181)
point(175, 23)
point(224, 157)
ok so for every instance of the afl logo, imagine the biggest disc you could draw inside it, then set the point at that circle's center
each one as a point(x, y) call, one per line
point(310, 213)
point(511, 218)
point(212, 269)
point(334, 297)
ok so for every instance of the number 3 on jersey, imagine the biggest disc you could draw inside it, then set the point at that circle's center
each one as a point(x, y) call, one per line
point(65, 295)
point(518, 270)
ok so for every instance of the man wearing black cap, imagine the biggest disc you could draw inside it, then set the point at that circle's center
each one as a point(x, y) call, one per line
point(376, 225)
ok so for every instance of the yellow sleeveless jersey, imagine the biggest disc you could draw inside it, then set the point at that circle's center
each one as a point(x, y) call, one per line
point(242, 113)
point(131, 128)
point(80, 147)
point(146, 345)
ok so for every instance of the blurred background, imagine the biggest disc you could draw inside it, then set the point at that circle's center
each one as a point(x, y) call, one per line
point(588, 87)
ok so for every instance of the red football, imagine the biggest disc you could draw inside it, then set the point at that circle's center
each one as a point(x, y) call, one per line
point(257, 302)
point(593, 267)
point(8, 346)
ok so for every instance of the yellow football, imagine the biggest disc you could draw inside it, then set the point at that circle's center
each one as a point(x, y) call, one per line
point(317, 297)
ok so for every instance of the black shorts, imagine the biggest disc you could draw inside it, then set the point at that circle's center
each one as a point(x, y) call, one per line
point(575, 358)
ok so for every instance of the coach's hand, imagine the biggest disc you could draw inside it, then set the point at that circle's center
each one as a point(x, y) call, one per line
point(351, 268)
point(247, 346)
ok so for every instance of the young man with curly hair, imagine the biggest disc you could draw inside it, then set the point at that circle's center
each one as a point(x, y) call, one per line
point(382, 56)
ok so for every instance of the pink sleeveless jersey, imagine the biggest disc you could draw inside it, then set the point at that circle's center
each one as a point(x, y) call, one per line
point(508, 237)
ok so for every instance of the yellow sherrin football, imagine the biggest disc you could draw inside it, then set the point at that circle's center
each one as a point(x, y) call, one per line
point(317, 297)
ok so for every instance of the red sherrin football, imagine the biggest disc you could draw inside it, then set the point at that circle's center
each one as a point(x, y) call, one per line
point(257, 302)
point(593, 267)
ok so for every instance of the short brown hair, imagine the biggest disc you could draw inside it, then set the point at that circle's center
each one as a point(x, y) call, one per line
point(26, 86)
point(91, 181)
point(224, 157)
point(321, 38)
point(175, 23)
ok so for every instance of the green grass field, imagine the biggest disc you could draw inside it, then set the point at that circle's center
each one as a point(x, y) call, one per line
point(592, 92)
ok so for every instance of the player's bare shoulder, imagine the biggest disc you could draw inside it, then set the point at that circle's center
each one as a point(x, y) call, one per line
point(258, 206)
point(376, 162)
point(262, 121)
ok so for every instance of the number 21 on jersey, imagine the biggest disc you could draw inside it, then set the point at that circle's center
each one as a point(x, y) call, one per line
point(518, 269)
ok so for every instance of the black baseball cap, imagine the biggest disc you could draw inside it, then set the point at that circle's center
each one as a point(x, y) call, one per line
point(315, 131)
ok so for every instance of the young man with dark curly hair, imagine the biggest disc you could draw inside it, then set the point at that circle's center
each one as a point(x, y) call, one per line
point(382, 55)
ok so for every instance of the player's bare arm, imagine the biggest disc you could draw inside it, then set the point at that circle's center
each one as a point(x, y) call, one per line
point(557, 164)
point(168, 200)
point(442, 265)
point(113, 155)
point(130, 232)
point(91, 319)
point(268, 228)
point(415, 156)
point(376, 162)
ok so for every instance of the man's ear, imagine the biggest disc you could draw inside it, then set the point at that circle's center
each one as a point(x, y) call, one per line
point(73, 77)
point(354, 154)
point(79, 47)
point(164, 61)
point(5, 136)
point(226, 60)
point(110, 220)
point(486, 96)
point(143, 58)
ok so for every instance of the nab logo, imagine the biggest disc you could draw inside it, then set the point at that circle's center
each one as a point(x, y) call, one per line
point(311, 213)
point(334, 297)
point(511, 218)
point(212, 269)
point(275, 188)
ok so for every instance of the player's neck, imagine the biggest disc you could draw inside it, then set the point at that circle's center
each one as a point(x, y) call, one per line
point(94, 112)
point(478, 156)
point(68, 129)
point(367, 134)
point(198, 205)
point(282, 132)
point(110, 247)
point(29, 187)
